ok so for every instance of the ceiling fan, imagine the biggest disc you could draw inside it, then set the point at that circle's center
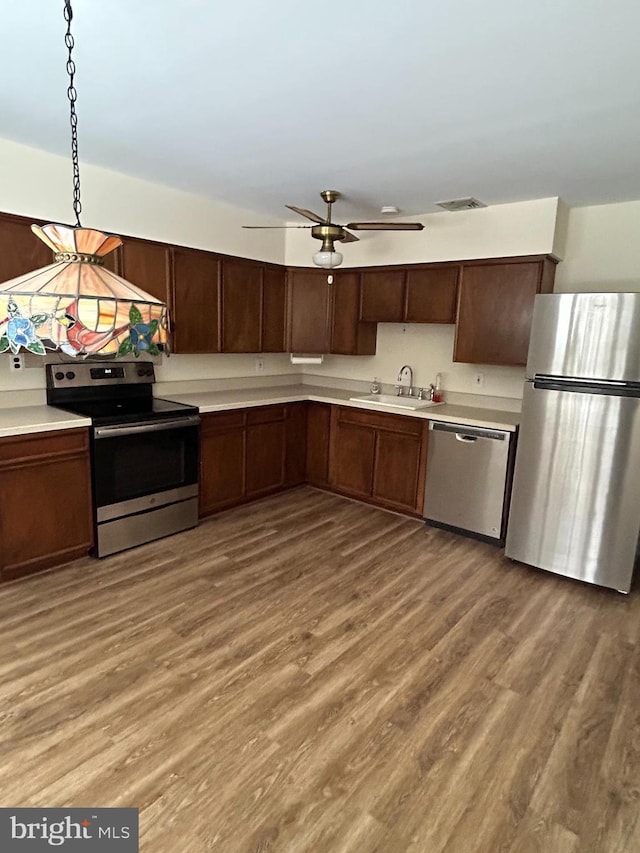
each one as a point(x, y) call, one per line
point(330, 232)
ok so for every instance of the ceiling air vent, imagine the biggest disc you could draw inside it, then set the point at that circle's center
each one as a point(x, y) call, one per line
point(461, 204)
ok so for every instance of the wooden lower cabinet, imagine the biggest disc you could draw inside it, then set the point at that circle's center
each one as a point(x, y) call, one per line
point(296, 449)
point(265, 450)
point(45, 500)
point(397, 469)
point(250, 452)
point(379, 457)
point(222, 439)
point(352, 453)
point(317, 449)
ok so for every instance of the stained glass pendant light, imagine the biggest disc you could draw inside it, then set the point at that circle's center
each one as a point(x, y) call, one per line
point(76, 305)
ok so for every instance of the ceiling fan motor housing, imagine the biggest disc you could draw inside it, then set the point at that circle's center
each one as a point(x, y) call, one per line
point(328, 234)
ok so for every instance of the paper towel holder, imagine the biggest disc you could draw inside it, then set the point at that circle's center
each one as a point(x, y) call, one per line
point(305, 358)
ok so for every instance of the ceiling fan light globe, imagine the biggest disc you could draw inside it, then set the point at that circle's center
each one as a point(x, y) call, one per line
point(327, 260)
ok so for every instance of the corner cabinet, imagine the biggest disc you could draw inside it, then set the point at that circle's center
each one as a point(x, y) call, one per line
point(247, 453)
point(495, 308)
point(45, 500)
point(378, 457)
point(323, 313)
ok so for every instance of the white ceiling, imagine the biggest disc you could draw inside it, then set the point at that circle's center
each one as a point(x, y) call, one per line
point(408, 102)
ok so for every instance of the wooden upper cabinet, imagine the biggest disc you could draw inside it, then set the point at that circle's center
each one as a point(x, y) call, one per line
point(20, 250)
point(382, 295)
point(348, 335)
point(273, 309)
point(147, 265)
point(431, 294)
point(195, 301)
point(495, 308)
point(241, 299)
point(308, 307)
point(253, 306)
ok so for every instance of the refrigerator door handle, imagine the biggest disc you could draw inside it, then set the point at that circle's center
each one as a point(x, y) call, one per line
point(614, 388)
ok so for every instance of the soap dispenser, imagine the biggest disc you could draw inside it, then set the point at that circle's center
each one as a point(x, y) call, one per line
point(437, 390)
point(375, 386)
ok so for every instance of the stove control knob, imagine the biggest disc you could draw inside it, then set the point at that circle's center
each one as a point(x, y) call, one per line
point(141, 372)
point(70, 374)
point(149, 371)
point(59, 375)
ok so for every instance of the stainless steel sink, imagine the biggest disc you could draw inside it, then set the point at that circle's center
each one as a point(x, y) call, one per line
point(395, 402)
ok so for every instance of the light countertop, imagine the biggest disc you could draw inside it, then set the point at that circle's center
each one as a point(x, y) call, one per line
point(26, 419)
point(218, 401)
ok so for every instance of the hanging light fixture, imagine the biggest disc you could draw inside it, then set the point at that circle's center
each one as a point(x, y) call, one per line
point(76, 305)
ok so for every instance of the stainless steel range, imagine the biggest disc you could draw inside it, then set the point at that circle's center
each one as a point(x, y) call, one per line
point(144, 451)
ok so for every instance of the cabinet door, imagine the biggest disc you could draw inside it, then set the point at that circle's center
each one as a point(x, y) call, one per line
point(352, 453)
point(273, 309)
point(382, 296)
point(495, 308)
point(221, 461)
point(349, 336)
point(265, 449)
point(195, 301)
point(295, 455)
point(431, 295)
point(20, 250)
point(317, 451)
point(241, 305)
point(396, 469)
point(45, 501)
point(146, 265)
point(308, 311)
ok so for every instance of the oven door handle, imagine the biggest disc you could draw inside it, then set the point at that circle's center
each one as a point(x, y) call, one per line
point(150, 426)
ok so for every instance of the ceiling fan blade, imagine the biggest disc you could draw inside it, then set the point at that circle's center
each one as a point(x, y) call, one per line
point(277, 226)
point(308, 213)
point(385, 226)
point(349, 238)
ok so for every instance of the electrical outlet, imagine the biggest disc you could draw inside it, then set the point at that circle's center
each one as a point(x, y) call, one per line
point(478, 380)
point(259, 365)
point(17, 362)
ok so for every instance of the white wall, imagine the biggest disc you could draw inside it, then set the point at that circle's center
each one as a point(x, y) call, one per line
point(34, 183)
point(428, 348)
point(526, 228)
point(602, 250)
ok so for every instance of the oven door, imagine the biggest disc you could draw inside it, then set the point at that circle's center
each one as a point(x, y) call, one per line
point(145, 478)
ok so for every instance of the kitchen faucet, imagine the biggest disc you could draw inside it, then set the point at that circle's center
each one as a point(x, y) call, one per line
point(405, 370)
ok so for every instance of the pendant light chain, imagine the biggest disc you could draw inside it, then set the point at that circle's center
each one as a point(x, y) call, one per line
point(72, 95)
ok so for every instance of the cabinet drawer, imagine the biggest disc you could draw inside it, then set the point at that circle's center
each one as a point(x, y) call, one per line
point(266, 414)
point(381, 420)
point(19, 448)
point(217, 421)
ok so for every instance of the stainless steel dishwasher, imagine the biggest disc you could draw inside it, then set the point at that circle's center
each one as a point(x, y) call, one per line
point(468, 479)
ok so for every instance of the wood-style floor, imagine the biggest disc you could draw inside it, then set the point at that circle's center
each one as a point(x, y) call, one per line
point(311, 674)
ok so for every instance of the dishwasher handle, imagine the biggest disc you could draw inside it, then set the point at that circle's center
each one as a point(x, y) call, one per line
point(468, 433)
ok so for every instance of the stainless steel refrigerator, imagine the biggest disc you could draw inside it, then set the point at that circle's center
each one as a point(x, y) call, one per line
point(575, 507)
